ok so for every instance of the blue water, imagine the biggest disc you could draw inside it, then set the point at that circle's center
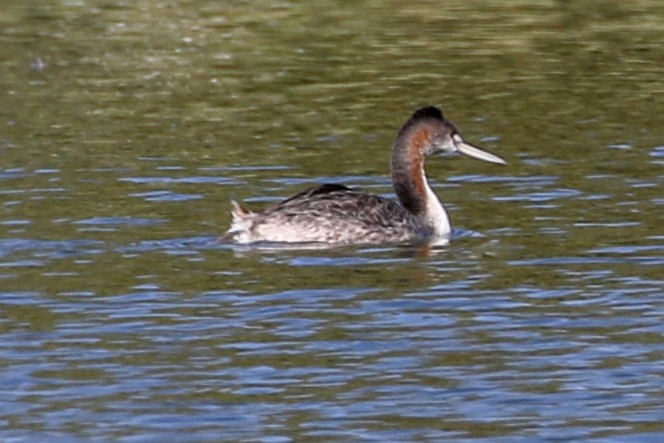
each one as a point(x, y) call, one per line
point(126, 129)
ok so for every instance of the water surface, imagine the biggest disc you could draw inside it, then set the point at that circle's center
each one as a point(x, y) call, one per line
point(126, 128)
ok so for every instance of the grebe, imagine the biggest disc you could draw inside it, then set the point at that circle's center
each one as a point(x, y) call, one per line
point(335, 214)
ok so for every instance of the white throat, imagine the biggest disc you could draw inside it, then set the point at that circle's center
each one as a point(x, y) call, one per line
point(436, 216)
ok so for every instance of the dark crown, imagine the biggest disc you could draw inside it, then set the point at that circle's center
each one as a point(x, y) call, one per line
point(428, 112)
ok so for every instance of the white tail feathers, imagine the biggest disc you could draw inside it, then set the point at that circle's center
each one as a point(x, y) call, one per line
point(242, 219)
point(238, 212)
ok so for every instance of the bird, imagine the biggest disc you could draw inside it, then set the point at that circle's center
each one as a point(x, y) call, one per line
point(334, 214)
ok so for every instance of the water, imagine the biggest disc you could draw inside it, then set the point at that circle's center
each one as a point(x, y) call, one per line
point(126, 127)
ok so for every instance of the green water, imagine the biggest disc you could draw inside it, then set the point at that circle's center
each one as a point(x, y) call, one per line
point(127, 126)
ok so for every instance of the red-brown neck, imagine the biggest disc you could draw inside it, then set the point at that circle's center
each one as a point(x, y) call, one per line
point(408, 168)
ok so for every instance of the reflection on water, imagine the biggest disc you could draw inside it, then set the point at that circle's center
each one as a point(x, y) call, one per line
point(126, 127)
